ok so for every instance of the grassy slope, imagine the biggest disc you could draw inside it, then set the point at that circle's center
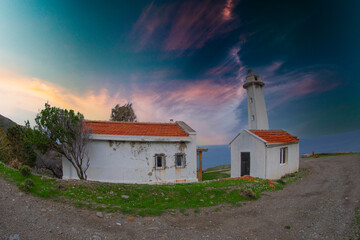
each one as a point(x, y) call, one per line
point(218, 168)
point(5, 123)
point(218, 172)
point(148, 199)
point(335, 154)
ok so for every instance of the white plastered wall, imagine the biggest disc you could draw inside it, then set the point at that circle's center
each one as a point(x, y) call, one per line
point(263, 157)
point(134, 161)
point(275, 170)
point(257, 108)
point(247, 143)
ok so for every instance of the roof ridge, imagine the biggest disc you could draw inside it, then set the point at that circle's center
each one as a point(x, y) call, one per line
point(267, 130)
point(136, 129)
point(275, 136)
point(105, 121)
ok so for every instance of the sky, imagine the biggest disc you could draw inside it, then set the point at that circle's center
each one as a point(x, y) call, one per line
point(185, 60)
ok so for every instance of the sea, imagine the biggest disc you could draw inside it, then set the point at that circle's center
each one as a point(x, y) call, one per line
point(342, 142)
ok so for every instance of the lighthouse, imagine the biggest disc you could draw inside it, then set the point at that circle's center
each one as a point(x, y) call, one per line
point(258, 151)
point(257, 114)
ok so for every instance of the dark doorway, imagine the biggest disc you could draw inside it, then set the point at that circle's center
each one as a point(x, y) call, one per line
point(245, 163)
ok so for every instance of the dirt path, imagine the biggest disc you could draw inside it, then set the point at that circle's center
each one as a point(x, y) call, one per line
point(321, 206)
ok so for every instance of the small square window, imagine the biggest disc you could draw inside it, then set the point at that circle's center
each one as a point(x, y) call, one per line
point(159, 161)
point(179, 160)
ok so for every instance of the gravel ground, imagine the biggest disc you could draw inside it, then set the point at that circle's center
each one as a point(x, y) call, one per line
point(321, 206)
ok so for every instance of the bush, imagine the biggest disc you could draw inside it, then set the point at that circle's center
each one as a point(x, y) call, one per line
point(25, 171)
point(21, 148)
point(5, 151)
point(247, 192)
point(27, 185)
point(281, 181)
point(5, 156)
point(15, 163)
point(29, 182)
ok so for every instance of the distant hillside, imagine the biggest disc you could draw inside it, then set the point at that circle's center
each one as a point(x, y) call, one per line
point(6, 123)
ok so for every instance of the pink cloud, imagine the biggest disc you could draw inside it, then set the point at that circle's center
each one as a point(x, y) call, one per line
point(153, 18)
point(27, 94)
point(206, 105)
point(274, 66)
point(231, 64)
point(296, 84)
point(184, 25)
point(227, 11)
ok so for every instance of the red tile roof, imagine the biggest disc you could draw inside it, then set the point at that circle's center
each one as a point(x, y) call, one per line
point(136, 129)
point(275, 136)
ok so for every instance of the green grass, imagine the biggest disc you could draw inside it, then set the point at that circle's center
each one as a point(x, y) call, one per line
point(218, 172)
point(334, 154)
point(218, 168)
point(292, 177)
point(44, 188)
point(356, 224)
point(214, 175)
point(149, 199)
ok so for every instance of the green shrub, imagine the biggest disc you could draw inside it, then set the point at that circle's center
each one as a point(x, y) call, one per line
point(281, 181)
point(5, 150)
point(247, 192)
point(29, 182)
point(25, 170)
point(21, 148)
point(14, 163)
point(4, 157)
point(27, 185)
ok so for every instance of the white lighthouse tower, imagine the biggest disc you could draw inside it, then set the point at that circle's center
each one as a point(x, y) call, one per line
point(257, 114)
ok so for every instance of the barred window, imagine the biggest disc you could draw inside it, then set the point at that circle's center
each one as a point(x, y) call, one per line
point(179, 160)
point(159, 161)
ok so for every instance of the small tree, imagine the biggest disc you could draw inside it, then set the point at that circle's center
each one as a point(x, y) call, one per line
point(64, 132)
point(124, 113)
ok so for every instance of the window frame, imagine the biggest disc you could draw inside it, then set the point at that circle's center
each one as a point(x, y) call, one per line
point(283, 155)
point(163, 161)
point(183, 165)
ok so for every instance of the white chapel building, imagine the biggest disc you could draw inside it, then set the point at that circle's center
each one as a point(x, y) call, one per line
point(260, 152)
point(138, 152)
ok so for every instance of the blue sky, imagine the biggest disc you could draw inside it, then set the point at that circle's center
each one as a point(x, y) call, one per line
point(185, 60)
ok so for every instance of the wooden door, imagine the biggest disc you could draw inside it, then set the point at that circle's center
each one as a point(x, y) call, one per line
point(245, 163)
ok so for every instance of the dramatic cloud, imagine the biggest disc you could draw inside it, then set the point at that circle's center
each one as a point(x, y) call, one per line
point(209, 106)
point(274, 66)
point(230, 65)
point(25, 94)
point(206, 105)
point(227, 11)
point(295, 84)
point(184, 25)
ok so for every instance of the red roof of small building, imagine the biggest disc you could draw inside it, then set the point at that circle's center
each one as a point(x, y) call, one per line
point(135, 129)
point(275, 136)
